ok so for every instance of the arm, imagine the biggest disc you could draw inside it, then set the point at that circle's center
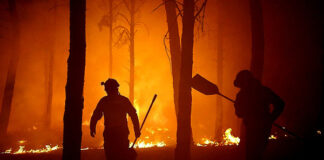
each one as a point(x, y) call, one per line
point(132, 113)
point(239, 105)
point(278, 105)
point(96, 116)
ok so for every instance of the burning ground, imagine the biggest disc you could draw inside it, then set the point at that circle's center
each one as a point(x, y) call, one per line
point(155, 144)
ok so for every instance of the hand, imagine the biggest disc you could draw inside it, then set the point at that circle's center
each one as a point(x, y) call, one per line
point(92, 133)
point(137, 134)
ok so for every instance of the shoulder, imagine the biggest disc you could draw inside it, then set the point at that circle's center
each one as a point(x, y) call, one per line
point(103, 99)
point(123, 98)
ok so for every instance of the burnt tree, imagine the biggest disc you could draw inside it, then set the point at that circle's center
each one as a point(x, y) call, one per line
point(174, 43)
point(12, 69)
point(72, 133)
point(184, 131)
point(257, 30)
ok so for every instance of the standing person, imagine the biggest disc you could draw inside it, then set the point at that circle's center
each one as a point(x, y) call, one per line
point(253, 105)
point(115, 107)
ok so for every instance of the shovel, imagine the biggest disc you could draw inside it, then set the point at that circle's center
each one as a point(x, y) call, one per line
point(206, 87)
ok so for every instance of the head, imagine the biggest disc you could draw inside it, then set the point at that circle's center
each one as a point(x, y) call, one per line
point(111, 86)
point(243, 79)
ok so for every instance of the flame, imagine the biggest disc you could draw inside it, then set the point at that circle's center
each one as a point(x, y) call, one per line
point(22, 150)
point(272, 137)
point(228, 139)
point(143, 144)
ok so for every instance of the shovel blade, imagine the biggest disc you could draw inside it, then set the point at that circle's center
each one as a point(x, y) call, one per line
point(204, 86)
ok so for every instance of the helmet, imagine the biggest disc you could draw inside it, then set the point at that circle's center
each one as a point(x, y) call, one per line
point(110, 83)
point(243, 78)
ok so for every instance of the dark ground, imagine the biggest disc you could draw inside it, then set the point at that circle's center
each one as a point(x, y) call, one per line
point(277, 149)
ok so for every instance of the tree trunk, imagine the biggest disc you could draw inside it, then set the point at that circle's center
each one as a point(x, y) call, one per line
point(110, 6)
point(219, 111)
point(184, 132)
point(49, 73)
point(175, 49)
point(75, 80)
point(257, 57)
point(11, 74)
point(132, 51)
point(49, 89)
point(257, 30)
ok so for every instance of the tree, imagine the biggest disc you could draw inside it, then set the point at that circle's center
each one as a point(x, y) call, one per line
point(132, 8)
point(175, 49)
point(72, 133)
point(49, 66)
point(219, 104)
point(12, 70)
point(182, 61)
point(109, 20)
point(184, 132)
point(257, 30)
point(257, 57)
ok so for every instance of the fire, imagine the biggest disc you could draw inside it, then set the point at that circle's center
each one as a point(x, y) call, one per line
point(22, 150)
point(228, 140)
point(272, 137)
point(143, 144)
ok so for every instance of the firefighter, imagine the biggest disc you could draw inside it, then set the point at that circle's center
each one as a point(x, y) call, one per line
point(259, 107)
point(114, 107)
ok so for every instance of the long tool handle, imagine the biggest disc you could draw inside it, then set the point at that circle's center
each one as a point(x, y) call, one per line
point(274, 124)
point(145, 118)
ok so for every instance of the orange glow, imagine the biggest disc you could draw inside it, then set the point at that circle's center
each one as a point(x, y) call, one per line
point(228, 140)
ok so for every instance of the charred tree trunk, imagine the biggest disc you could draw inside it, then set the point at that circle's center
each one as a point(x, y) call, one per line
point(175, 48)
point(75, 80)
point(257, 58)
point(110, 6)
point(132, 51)
point(11, 74)
point(184, 132)
point(219, 111)
point(257, 30)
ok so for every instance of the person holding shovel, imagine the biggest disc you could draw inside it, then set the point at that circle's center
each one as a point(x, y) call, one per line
point(253, 104)
point(114, 107)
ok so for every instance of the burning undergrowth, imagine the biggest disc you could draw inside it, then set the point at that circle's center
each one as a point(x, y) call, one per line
point(151, 138)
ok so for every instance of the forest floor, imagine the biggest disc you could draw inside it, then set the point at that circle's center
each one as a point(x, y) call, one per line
point(276, 150)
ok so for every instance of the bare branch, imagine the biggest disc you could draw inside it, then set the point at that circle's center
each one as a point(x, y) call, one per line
point(123, 16)
point(203, 6)
point(160, 5)
point(179, 10)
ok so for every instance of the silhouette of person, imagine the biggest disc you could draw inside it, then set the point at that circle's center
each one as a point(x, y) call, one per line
point(114, 107)
point(253, 104)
